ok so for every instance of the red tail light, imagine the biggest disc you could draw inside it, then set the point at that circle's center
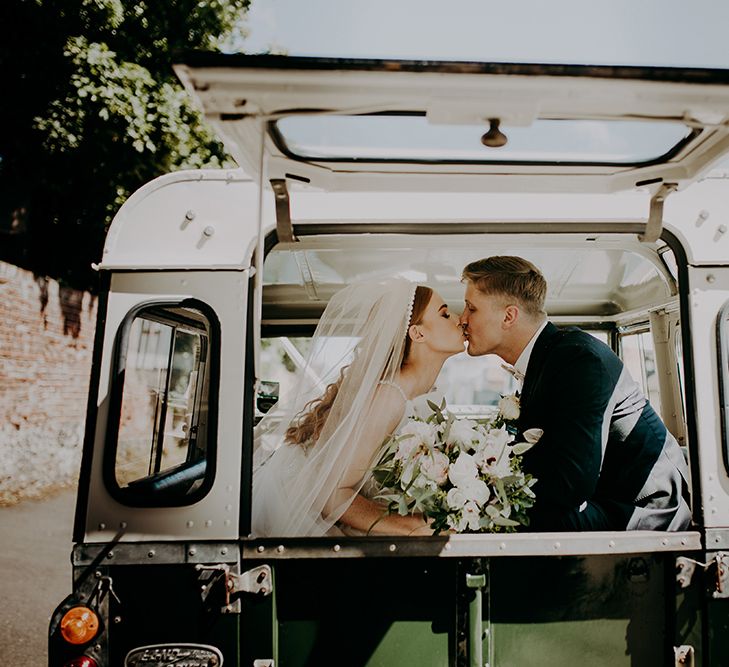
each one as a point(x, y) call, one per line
point(82, 661)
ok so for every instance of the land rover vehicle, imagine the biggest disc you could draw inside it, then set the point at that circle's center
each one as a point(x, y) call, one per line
point(354, 169)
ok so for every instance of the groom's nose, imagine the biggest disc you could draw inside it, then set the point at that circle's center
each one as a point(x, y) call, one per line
point(463, 320)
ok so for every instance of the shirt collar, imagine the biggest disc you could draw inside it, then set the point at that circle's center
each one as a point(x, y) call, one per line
point(523, 361)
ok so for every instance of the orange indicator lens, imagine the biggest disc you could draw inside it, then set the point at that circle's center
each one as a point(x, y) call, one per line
point(79, 625)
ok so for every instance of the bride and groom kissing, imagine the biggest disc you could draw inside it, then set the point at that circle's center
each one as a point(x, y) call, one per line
point(605, 460)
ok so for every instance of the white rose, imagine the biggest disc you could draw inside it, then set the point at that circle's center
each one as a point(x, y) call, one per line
point(456, 499)
point(424, 433)
point(471, 515)
point(463, 470)
point(509, 407)
point(435, 467)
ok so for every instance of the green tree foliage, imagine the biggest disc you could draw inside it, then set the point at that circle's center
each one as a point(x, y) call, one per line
point(91, 111)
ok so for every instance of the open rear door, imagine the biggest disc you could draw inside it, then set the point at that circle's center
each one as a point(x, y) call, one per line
point(422, 126)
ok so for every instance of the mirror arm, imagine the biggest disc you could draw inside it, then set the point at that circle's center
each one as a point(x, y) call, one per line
point(284, 228)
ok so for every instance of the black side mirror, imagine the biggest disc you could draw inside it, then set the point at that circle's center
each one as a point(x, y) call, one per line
point(267, 395)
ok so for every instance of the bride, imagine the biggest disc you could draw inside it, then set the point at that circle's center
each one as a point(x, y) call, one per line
point(377, 346)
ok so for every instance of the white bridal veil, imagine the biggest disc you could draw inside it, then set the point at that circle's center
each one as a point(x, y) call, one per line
point(360, 338)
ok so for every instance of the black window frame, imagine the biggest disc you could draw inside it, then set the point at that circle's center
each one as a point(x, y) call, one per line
point(144, 495)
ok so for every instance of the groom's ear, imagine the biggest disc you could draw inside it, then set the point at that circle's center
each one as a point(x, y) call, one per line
point(511, 316)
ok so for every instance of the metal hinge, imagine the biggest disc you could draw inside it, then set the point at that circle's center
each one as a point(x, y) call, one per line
point(654, 226)
point(257, 581)
point(685, 568)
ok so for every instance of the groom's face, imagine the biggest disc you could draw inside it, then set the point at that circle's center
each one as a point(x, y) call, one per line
point(482, 321)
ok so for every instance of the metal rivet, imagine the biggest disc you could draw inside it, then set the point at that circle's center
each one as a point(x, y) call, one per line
point(611, 543)
point(502, 546)
point(447, 546)
point(208, 523)
point(664, 542)
point(337, 547)
point(209, 231)
point(721, 229)
point(557, 545)
point(684, 541)
point(122, 524)
point(97, 574)
point(260, 548)
point(717, 539)
point(190, 524)
point(110, 554)
point(228, 508)
point(192, 551)
point(226, 522)
point(710, 278)
point(703, 214)
point(102, 526)
point(393, 547)
point(280, 548)
point(150, 553)
point(117, 619)
point(224, 551)
point(190, 215)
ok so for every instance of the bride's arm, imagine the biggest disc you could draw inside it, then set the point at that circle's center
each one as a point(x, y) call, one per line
point(366, 515)
point(362, 513)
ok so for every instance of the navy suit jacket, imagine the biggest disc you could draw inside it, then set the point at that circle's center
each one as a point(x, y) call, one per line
point(606, 461)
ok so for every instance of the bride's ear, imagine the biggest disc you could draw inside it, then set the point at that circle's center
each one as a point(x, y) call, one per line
point(415, 332)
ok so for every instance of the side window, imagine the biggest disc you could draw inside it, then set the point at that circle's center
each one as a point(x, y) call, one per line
point(639, 357)
point(163, 402)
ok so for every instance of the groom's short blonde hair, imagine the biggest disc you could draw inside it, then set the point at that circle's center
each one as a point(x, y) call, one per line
point(510, 277)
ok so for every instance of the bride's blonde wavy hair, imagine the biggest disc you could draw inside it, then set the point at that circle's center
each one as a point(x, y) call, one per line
point(308, 425)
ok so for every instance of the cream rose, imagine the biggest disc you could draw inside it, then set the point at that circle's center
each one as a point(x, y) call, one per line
point(463, 471)
point(434, 466)
point(509, 407)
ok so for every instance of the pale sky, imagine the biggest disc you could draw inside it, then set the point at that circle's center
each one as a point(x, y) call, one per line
point(692, 33)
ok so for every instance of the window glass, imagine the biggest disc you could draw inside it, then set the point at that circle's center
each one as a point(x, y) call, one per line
point(471, 385)
point(639, 357)
point(162, 439)
point(413, 137)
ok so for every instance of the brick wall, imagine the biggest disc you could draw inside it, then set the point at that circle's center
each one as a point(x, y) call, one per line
point(46, 340)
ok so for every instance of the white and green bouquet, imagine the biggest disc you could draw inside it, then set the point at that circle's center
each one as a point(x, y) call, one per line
point(464, 475)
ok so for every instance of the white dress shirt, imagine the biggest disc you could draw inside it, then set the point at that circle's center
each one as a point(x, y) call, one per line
point(523, 361)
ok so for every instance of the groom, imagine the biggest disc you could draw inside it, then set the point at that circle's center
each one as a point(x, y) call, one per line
point(606, 461)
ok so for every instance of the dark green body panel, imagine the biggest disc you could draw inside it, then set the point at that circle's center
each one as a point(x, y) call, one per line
point(596, 610)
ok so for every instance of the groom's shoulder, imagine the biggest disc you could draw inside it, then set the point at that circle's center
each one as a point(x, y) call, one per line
point(571, 340)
